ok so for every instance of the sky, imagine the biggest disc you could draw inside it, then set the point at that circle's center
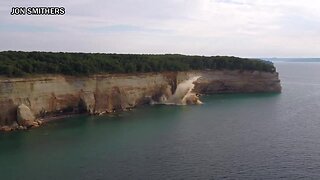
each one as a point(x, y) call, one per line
point(245, 28)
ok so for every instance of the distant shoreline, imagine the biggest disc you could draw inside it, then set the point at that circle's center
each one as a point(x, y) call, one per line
point(293, 60)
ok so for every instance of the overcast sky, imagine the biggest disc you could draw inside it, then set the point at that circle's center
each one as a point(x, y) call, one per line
point(246, 28)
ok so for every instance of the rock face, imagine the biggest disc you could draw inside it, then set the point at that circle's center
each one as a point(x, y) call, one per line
point(214, 82)
point(88, 102)
point(193, 99)
point(24, 99)
point(25, 117)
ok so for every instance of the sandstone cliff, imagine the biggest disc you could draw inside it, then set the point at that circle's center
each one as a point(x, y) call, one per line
point(54, 94)
point(213, 82)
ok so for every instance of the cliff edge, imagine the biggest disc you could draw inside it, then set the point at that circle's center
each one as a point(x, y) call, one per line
point(54, 95)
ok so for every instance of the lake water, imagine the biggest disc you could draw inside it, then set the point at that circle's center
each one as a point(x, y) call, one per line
point(239, 136)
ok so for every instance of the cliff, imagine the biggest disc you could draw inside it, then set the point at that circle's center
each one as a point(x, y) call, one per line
point(55, 94)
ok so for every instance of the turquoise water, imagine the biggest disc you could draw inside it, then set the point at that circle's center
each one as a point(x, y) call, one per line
point(239, 136)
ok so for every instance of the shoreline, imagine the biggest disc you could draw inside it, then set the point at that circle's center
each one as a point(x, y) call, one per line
point(40, 122)
point(59, 117)
point(31, 102)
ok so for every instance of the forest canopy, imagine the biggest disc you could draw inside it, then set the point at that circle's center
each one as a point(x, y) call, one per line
point(18, 63)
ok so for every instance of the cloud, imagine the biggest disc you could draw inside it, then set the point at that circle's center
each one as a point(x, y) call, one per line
point(23, 28)
point(250, 28)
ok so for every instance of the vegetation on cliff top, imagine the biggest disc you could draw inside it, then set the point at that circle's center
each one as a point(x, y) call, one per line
point(17, 63)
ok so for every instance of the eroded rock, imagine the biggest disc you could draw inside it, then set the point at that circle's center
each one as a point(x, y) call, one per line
point(25, 117)
point(88, 101)
point(192, 99)
point(6, 128)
